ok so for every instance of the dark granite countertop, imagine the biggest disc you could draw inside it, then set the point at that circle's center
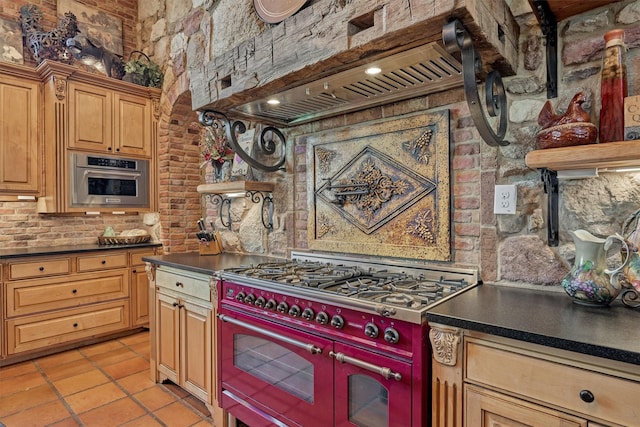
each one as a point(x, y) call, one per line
point(545, 317)
point(207, 264)
point(59, 250)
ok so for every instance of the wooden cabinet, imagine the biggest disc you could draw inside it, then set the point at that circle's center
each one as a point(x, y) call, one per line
point(90, 113)
point(184, 334)
point(139, 287)
point(183, 331)
point(55, 302)
point(104, 120)
point(513, 383)
point(20, 132)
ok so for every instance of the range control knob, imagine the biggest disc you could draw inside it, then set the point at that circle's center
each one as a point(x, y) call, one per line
point(294, 311)
point(271, 304)
point(240, 296)
point(337, 321)
point(307, 313)
point(250, 299)
point(371, 330)
point(391, 335)
point(283, 307)
point(322, 318)
point(260, 302)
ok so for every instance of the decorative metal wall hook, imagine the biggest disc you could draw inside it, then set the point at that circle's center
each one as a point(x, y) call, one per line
point(267, 207)
point(456, 39)
point(349, 191)
point(267, 145)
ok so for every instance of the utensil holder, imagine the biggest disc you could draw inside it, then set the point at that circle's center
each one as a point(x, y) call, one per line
point(211, 247)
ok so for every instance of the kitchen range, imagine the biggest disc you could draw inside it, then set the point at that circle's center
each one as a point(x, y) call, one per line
point(321, 340)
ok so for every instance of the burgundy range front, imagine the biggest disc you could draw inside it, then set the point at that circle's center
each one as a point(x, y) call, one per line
point(315, 344)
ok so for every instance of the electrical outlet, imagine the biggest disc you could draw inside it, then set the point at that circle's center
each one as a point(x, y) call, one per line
point(504, 201)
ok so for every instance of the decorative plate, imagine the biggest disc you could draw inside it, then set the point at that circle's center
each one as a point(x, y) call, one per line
point(274, 11)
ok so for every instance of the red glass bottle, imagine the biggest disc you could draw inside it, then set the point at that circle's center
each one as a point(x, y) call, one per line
point(613, 88)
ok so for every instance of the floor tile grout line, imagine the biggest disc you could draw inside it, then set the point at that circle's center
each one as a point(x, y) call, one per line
point(61, 398)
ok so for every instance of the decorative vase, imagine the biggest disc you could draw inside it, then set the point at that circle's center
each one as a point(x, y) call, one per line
point(613, 88)
point(589, 282)
point(222, 170)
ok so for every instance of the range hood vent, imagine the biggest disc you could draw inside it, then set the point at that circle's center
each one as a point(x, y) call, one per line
point(408, 74)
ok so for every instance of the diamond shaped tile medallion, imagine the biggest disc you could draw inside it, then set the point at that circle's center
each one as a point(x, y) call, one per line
point(381, 188)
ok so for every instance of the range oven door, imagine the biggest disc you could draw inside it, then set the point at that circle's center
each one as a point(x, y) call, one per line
point(272, 374)
point(371, 390)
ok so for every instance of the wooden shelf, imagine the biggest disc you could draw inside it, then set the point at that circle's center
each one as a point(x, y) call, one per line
point(563, 9)
point(235, 187)
point(619, 154)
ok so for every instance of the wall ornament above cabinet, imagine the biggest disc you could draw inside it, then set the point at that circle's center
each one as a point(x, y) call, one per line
point(268, 145)
point(456, 38)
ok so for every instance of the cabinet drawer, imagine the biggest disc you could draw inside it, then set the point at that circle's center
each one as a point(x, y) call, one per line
point(136, 257)
point(49, 267)
point(102, 261)
point(33, 296)
point(184, 282)
point(34, 332)
point(552, 382)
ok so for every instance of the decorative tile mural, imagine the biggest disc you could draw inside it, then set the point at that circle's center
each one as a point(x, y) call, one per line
point(381, 188)
point(95, 24)
point(11, 41)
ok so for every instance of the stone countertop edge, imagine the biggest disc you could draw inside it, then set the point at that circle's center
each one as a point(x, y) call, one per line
point(546, 318)
point(208, 264)
point(63, 249)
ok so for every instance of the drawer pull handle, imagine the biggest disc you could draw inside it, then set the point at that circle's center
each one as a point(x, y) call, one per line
point(75, 325)
point(41, 269)
point(75, 291)
point(587, 396)
point(180, 284)
point(104, 261)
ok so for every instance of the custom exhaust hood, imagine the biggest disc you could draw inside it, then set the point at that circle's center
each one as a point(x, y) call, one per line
point(419, 71)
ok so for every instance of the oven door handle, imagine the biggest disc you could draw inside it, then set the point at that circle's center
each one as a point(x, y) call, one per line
point(309, 347)
point(97, 172)
point(385, 372)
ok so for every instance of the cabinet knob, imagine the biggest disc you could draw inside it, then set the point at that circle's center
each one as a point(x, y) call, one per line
point(104, 261)
point(108, 148)
point(41, 269)
point(134, 271)
point(180, 284)
point(75, 291)
point(587, 396)
point(117, 149)
point(75, 325)
point(175, 304)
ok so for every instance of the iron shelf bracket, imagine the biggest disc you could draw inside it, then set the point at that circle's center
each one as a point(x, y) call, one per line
point(456, 39)
point(550, 180)
point(549, 27)
point(224, 210)
point(270, 139)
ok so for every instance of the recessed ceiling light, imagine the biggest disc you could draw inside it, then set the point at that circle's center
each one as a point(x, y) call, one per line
point(373, 70)
point(273, 102)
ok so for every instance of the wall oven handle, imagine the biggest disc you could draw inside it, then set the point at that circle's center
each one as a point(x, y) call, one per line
point(111, 172)
point(309, 347)
point(385, 372)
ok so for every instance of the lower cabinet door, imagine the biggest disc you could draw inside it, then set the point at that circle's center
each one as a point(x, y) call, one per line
point(196, 350)
point(39, 331)
point(139, 297)
point(168, 336)
point(487, 409)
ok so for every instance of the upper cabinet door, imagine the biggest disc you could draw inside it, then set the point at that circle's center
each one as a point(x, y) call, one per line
point(132, 125)
point(19, 136)
point(90, 118)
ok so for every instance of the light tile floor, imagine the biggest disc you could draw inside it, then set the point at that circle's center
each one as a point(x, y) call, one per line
point(105, 384)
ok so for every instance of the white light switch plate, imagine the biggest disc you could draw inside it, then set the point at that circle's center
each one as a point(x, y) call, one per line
point(504, 201)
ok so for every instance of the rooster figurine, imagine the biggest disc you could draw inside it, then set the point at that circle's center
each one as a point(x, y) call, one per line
point(47, 44)
point(574, 127)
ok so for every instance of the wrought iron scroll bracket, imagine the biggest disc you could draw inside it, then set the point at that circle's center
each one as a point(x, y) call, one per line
point(270, 139)
point(549, 28)
point(456, 39)
point(550, 180)
point(224, 210)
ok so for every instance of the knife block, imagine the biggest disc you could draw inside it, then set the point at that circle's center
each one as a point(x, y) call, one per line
point(212, 247)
